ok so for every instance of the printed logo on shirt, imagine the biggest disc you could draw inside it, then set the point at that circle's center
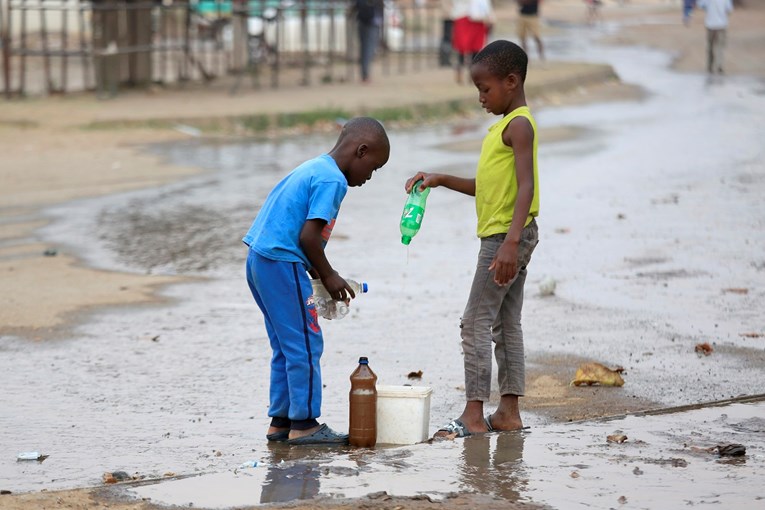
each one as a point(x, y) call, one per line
point(327, 230)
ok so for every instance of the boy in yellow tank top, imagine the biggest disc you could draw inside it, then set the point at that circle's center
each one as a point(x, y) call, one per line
point(506, 191)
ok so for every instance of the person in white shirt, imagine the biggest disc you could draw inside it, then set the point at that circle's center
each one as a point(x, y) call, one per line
point(716, 21)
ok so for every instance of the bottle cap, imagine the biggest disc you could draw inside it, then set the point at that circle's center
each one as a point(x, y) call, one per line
point(364, 287)
point(406, 240)
point(363, 360)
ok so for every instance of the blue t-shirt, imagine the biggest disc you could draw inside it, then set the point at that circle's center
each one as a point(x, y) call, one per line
point(313, 190)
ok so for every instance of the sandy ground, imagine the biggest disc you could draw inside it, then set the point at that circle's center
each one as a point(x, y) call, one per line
point(49, 159)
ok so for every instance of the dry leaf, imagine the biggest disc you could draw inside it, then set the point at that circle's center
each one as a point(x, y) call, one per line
point(752, 334)
point(415, 375)
point(595, 373)
point(616, 438)
point(737, 290)
point(574, 474)
point(704, 349)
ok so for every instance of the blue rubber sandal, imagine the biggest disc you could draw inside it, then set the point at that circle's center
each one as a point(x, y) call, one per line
point(278, 437)
point(323, 436)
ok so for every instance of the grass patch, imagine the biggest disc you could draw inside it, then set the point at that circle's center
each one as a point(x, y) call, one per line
point(314, 120)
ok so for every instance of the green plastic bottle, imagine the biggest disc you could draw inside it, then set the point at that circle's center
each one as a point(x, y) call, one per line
point(414, 210)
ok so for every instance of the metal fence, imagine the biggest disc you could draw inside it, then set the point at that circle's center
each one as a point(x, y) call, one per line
point(63, 46)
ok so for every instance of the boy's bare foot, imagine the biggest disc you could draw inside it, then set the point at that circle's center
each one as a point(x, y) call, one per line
point(502, 421)
point(274, 430)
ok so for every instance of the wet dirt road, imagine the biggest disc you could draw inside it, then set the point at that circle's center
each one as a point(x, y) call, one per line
point(563, 466)
point(651, 225)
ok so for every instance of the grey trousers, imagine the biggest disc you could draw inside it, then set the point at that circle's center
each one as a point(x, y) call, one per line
point(493, 314)
point(715, 47)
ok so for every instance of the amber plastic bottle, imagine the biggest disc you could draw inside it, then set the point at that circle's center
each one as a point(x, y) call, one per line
point(363, 406)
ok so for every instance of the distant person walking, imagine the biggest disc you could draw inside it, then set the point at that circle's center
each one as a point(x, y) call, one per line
point(528, 22)
point(369, 15)
point(445, 50)
point(473, 20)
point(688, 6)
point(716, 21)
point(593, 11)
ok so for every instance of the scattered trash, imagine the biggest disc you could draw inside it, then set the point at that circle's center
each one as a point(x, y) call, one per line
point(575, 474)
point(616, 438)
point(31, 456)
point(50, 252)
point(187, 130)
point(622, 500)
point(415, 375)
point(251, 464)
point(595, 373)
point(116, 476)
point(731, 450)
point(168, 474)
point(547, 286)
point(727, 450)
point(752, 334)
point(637, 471)
point(704, 349)
point(736, 290)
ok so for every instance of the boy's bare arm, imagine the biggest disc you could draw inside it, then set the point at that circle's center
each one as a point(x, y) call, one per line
point(520, 136)
point(313, 245)
point(461, 184)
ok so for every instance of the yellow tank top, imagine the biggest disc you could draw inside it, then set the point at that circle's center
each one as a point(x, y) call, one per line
point(496, 187)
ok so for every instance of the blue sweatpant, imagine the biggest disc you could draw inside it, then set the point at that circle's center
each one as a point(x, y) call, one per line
point(283, 292)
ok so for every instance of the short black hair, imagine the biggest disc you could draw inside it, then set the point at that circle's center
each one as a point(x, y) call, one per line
point(366, 128)
point(503, 58)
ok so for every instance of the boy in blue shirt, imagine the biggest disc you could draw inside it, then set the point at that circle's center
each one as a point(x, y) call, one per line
point(287, 241)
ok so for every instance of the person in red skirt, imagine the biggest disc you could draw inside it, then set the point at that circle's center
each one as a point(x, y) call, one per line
point(473, 20)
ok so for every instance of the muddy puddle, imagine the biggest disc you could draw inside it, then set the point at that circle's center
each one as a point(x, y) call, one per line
point(664, 461)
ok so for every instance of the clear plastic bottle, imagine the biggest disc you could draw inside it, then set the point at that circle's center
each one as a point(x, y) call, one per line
point(362, 428)
point(330, 308)
point(414, 210)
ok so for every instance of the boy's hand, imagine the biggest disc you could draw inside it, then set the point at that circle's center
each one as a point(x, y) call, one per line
point(428, 181)
point(505, 263)
point(337, 287)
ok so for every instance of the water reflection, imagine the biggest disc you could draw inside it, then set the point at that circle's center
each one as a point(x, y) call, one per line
point(289, 477)
point(493, 464)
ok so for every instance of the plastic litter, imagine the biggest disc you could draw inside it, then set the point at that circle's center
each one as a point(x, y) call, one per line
point(547, 286)
point(31, 456)
point(252, 464)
